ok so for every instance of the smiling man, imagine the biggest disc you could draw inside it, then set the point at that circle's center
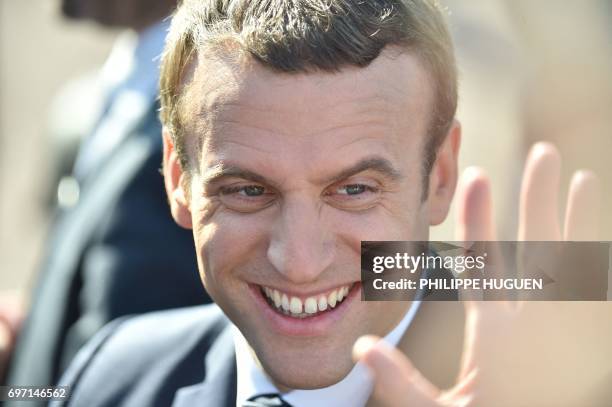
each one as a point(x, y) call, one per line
point(293, 172)
point(293, 130)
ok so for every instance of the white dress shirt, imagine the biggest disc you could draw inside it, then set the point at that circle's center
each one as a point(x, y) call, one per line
point(353, 390)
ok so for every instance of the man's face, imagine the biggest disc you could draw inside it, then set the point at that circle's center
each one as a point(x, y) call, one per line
point(295, 170)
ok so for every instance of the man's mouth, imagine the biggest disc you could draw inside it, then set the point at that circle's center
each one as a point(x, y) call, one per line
point(305, 307)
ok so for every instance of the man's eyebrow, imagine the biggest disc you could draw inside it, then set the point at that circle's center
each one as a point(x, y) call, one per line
point(218, 171)
point(377, 164)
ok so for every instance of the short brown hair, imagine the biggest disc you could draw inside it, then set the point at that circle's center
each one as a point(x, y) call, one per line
point(312, 35)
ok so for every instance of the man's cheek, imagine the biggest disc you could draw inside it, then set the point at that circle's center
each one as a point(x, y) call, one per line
point(203, 210)
point(227, 244)
point(376, 224)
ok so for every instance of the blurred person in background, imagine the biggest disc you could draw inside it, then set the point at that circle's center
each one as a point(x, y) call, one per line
point(113, 249)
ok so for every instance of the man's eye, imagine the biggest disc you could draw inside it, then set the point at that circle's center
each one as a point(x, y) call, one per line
point(352, 189)
point(246, 198)
point(353, 196)
point(252, 190)
point(244, 190)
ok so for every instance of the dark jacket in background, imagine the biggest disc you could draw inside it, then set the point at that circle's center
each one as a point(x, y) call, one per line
point(117, 252)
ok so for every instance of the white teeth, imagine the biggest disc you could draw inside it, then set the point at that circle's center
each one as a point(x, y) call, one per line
point(333, 297)
point(277, 299)
point(310, 305)
point(322, 303)
point(295, 305)
point(285, 302)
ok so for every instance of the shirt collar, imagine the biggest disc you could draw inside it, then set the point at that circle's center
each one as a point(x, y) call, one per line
point(353, 390)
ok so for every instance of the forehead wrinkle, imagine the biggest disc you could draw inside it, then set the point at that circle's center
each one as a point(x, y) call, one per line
point(236, 113)
point(360, 139)
point(370, 110)
point(364, 105)
point(362, 112)
point(221, 125)
point(368, 126)
point(361, 118)
point(235, 127)
point(249, 146)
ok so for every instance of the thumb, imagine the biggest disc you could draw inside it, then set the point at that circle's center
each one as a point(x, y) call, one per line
point(396, 381)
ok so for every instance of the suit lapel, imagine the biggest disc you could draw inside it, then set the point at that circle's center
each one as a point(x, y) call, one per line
point(219, 385)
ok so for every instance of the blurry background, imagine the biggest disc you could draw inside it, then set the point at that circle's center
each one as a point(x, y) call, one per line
point(528, 71)
point(40, 52)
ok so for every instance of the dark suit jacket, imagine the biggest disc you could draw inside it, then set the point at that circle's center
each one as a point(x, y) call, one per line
point(117, 252)
point(185, 358)
point(172, 358)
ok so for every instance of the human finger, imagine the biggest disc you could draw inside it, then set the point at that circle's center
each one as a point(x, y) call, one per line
point(474, 207)
point(475, 224)
point(396, 381)
point(538, 209)
point(583, 207)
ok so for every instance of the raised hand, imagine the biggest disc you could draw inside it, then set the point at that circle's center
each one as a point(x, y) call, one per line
point(525, 353)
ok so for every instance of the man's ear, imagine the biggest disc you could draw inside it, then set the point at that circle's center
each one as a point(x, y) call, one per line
point(174, 181)
point(443, 177)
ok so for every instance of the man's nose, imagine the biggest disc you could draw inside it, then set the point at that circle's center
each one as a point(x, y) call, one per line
point(301, 245)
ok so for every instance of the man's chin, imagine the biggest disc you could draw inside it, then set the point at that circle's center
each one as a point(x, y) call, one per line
point(308, 368)
point(305, 379)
